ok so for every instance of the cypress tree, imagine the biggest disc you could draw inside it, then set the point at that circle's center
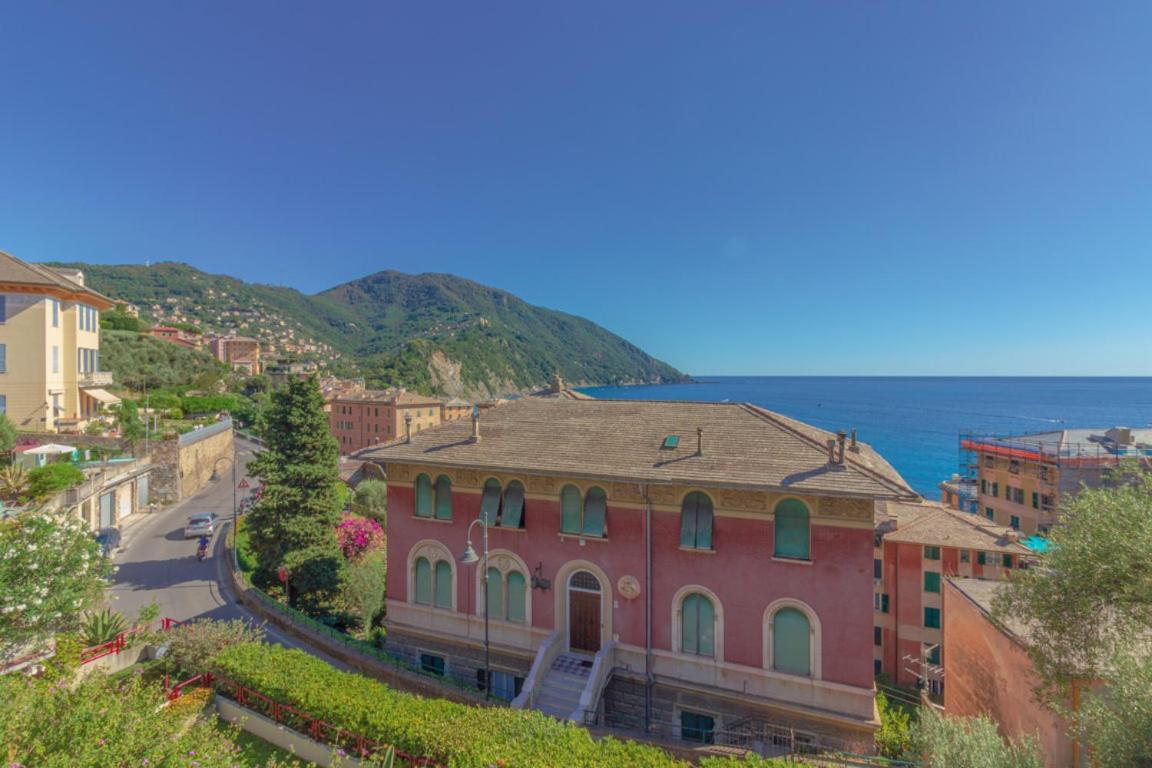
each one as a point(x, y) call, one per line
point(294, 523)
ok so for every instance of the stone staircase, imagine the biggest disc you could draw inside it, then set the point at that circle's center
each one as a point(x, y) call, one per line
point(562, 686)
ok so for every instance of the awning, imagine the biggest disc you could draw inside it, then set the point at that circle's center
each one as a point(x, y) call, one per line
point(107, 398)
point(52, 449)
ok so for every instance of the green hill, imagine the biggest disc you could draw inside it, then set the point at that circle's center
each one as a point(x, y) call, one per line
point(431, 332)
point(143, 362)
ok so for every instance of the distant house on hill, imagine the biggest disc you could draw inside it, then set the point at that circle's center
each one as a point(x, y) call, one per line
point(176, 336)
point(240, 353)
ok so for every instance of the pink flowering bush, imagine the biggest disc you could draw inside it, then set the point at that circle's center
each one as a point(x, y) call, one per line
point(358, 535)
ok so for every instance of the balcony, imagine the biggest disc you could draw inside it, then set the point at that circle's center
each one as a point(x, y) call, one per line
point(94, 379)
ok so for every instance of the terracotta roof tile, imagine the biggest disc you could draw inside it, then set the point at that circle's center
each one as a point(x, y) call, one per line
point(13, 270)
point(935, 525)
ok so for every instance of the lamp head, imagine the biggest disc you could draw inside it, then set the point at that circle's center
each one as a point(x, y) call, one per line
point(469, 555)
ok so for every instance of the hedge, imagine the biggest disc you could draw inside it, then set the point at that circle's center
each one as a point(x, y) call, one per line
point(455, 735)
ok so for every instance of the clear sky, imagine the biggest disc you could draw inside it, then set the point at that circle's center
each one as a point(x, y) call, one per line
point(738, 186)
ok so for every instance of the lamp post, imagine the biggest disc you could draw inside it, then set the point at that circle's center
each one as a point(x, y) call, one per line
point(468, 557)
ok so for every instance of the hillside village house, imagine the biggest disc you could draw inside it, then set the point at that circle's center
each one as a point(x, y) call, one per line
point(699, 569)
point(240, 353)
point(50, 377)
point(1020, 479)
point(374, 417)
point(918, 547)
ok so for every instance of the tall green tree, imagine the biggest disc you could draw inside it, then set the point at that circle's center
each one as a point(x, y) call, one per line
point(968, 742)
point(131, 426)
point(1088, 607)
point(294, 523)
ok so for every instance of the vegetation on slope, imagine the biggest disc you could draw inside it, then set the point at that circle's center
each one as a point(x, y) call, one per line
point(143, 362)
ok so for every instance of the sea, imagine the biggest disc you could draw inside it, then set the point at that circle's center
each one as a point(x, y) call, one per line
point(917, 422)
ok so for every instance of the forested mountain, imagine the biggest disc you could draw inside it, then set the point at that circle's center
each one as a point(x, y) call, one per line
point(433, 333)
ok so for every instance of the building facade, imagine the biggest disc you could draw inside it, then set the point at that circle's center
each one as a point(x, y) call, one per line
point(175, 336)
point(368, 418)
point(1019, 480)
point(695, 570)
point(50, 377)
point(918, 546)
point(454, 409)
point(240, 353)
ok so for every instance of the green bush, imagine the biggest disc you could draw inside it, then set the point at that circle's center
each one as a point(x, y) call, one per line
point(894, 734)
point(371, 500)
point(453, 734)
point(364, 588)
point(193, 645)
point(208, 403)
point(50, 479)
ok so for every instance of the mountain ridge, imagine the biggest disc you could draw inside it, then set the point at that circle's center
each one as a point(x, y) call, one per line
point(432, 332)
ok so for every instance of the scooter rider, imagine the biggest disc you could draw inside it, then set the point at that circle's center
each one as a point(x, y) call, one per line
point(202, 548)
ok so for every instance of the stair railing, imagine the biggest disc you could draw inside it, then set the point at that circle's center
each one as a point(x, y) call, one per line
point(547, 653)
point(601, 670)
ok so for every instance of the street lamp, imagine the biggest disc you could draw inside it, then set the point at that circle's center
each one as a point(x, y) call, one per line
point(468, 557)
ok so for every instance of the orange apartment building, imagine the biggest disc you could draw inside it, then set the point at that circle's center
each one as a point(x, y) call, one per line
point(1018, 481)
point(376, 417)
point(918, 546)
point(241, 353)
point(455, 409)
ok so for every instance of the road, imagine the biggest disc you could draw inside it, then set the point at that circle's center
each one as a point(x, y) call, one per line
point(156, 561)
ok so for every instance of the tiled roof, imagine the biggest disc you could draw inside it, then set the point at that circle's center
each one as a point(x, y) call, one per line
point(13, 270)
point(388, 396)
point(935, 525)
point(744, 446)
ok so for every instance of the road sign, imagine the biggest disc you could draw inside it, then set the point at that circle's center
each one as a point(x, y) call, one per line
point(282, 574)
point(243, 483)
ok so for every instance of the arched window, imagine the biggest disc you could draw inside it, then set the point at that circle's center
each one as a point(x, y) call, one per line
point(791, 642)
point(423, 496)
point(595, 510)
point(443, 579)
point(495, 590)
point(517, 596)
point(698, 625)
point(571, 508)
point(490, 501)
point(696, 521)
point(792, 530)
point(422, 574)
point(443, 498)
point(512, 513)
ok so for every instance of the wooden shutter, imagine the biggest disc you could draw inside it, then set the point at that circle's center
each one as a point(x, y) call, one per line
point(791, 651)
point(443, 498)
point(595, 511)
point(513, 505)
point(570, 506)
point(517, 596)
point(490, 503)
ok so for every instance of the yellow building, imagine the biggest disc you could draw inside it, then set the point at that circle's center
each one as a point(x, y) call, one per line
point(50, 374)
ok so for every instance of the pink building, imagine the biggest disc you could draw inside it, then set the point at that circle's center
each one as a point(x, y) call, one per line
point(699, 570)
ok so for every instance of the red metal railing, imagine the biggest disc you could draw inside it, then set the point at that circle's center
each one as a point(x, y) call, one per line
point(303, 722)
point(120, 642)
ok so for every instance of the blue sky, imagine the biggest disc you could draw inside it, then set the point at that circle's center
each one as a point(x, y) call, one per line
point(744, 186)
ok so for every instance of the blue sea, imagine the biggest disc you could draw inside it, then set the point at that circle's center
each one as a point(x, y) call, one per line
point(916, 422)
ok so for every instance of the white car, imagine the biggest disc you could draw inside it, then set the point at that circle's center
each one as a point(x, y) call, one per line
point(203, 524)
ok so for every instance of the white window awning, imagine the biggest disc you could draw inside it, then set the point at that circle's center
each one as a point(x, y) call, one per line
point(103, 396)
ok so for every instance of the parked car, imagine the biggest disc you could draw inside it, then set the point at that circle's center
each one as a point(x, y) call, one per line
point(108, 539)
point(203, 524)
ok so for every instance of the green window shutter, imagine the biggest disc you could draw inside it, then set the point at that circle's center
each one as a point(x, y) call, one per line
point(707, 633)
point(443, 584)
point(696, 521)
point(931, 581)
point(443, 498)
point(983, 485)
point(570, 505)
point(1007, 561)
point(792, 530)
point(517, 596)
point(423, 496)
point(688, 521)
point(1014, 522)
point(423, 578)
point(704, 518)
point(595, 511)
point(981, 558)
point(495, 590)
point(689, 625)
point(995, 489)
point(932, 618)
point(791, 651)
point(513, 505)
point(931, 553)
point(1035, 500)
point(884, 603)
point(490, 502)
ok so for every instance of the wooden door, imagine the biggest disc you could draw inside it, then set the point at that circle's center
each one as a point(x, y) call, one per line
point(584, 621)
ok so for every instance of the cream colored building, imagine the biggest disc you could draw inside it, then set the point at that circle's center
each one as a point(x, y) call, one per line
point(50, 378)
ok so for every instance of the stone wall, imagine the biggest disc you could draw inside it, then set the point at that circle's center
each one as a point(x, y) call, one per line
point(184, 465)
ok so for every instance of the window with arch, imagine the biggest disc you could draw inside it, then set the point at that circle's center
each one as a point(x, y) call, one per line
point(791, 642)
point(507, 595)
point(793, 530)
point(698, 625)
point(583, 516)
point(423, 495)
point(432, 583)
point(443, 498)
point(696, 521)
point(503, 507)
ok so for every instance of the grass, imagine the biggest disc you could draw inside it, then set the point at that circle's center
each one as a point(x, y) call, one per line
point(244, 556)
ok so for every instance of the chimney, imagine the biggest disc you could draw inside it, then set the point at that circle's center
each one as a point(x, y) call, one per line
point(475, 425)
point(557, 384)
point(841, 436)
point(699, 441)
point(831, 450)
point(407, 427)
point(855, 446)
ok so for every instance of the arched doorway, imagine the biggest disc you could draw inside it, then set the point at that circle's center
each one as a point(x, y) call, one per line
point(584, 597)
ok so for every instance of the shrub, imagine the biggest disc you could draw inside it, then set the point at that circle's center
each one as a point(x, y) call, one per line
point(50, 479)
point(453, 734)
point(893, 736)
point(102, 627)
point(968, 742)
point(747, 761)
point(190, 702)
point(193, 646)
point(66, 660)
point(364, 588)
point(371, 500)
point(358, 535)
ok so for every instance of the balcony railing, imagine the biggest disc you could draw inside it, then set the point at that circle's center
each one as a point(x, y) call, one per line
point(94, 379)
